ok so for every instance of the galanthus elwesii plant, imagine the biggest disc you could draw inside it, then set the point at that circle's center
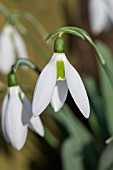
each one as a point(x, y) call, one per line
point(11, 46)
point(70, 141)
point(54, 81)
point(17, 115)
point(52, 86)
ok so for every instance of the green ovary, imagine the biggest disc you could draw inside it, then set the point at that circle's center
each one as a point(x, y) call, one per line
point(60, 70)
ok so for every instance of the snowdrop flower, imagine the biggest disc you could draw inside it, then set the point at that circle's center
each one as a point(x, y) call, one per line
point(11, 45)
point(17, 117)
point(54, 81)
point(100, 15)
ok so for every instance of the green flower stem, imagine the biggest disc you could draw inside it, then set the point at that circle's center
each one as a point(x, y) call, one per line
point(12, 81)
point(37, 25)
point(12, 17)
point(31, 38)
point(103, 63)
point(101, 59)
point(4, 10)
point(25, 62)
point(28, 16)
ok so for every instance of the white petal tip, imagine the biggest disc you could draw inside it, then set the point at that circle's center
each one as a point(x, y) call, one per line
point(17, 147)
point(86, 116)
point(56, 109)
point(87, 113)
point(42, 133)
point(36, 125)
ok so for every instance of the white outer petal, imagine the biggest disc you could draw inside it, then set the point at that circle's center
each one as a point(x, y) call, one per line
point(34, 123)
point(3, 111)
point(16, 130)
point(7, 54)
point(44, 87)
point(98, 15)
point(77, 89)
point(59, 95)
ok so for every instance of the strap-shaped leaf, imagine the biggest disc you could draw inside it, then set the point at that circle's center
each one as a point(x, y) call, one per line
point(106, 159)
point(72, 124)
point(105, 86)
point(72, 154)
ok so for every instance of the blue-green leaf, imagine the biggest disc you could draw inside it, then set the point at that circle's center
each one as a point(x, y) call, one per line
point(105, 85)
point(97, 119)
point(72, 124)
point(71, 155)
point(106, 159)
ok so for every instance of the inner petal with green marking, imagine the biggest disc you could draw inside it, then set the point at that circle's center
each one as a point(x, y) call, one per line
point(60, 70)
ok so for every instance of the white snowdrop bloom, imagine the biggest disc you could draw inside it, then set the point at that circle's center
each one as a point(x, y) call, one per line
point(54, 81)
point(100, 15)
point(11, 46)
point(17, 117)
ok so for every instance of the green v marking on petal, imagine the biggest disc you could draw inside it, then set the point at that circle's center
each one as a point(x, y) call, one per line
point(60, 70)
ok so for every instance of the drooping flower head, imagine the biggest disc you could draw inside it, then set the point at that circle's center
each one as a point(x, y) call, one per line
point(11, 47)
point(54, 81)
point(17, 116)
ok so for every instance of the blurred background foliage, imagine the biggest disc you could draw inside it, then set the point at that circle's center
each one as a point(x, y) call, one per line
point(70, 142)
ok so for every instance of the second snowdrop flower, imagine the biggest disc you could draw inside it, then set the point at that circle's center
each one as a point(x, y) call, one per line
point(54, 81)
point(11, 46)
point(17, 116)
